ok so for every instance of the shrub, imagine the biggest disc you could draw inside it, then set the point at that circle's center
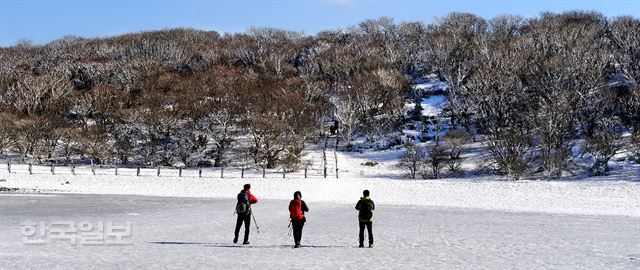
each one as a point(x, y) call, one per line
point(412, 160)
point(435, 160)
point(370, 163)
point(455, 141)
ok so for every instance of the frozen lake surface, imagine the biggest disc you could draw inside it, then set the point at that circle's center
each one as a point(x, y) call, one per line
point(196, 233)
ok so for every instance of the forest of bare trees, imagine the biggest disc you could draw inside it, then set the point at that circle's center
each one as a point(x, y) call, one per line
point(534, 90)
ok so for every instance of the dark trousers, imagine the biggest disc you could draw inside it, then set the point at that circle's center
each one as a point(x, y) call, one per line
point(369, 226)
point(247, 225)
point(297, 230)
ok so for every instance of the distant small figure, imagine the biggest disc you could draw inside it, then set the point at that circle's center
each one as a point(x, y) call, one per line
point(243, 209)
point(297, 207)
point(333, 130)
point(365, 207)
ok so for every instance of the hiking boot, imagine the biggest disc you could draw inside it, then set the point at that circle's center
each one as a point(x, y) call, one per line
point(235, 239)
point(296, 246)
point(371, 245)
point(361, 245)
point(246, 242)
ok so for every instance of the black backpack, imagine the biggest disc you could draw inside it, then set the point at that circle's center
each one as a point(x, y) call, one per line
point(243, 207)
point(365, 210)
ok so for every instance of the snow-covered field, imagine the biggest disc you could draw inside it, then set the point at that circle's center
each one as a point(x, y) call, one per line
point(614, 195)
point(457, 223)
point(196, 233)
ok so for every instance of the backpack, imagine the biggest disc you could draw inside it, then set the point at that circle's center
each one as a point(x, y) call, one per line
point(243, 207)
point(295, 210)
point(365, 210)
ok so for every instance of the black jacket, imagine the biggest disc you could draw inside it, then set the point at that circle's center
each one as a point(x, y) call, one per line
point(360, 208)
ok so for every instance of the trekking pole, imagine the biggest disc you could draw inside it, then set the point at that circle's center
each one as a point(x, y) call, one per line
point(290, 228)
point(255, 223)
point(364, 237)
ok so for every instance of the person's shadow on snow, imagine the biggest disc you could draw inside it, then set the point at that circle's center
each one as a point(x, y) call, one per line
point(224, 245)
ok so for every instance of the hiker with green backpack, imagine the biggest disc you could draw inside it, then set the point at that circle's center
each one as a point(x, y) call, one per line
point(365, 207)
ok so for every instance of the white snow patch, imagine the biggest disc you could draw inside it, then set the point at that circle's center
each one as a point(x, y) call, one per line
point(432, 106)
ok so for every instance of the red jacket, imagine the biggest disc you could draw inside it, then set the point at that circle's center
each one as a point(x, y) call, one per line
point(252, 199)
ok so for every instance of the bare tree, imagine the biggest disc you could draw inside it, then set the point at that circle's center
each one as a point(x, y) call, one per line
point(435, 160)
point(634, 146)
point(26, 136)
point(554, 130)
point(602, 145)
point(501, 103)
point(47, 137)
point(454, 142)
point(453, 48)
point(624, 35)
point(348, 115)
point(222, 110)
point(36, 94)
point(412, 160)
point(279, 129)
point(68, 143)
point(512, 150)
point(95, 143)
point(376, 98)
point(7, 130)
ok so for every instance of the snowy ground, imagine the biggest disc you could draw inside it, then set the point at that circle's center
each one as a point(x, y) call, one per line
point(473, 222)
point(196, 233)
point(431, 106)
point(431, 82)
point(615, 195)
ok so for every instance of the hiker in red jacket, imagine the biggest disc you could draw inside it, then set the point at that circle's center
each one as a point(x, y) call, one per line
point(297, 207)
point(243, 209)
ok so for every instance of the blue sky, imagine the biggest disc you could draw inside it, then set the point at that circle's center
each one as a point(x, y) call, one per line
point(42, 21)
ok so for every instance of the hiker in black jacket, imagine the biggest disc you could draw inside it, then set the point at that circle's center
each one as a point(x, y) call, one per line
point(297, 208)
point(365, 207)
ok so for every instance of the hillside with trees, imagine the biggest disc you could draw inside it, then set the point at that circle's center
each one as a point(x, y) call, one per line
point(535, 91)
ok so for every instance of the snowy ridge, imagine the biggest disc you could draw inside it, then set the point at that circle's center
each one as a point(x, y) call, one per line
point(608, 197)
